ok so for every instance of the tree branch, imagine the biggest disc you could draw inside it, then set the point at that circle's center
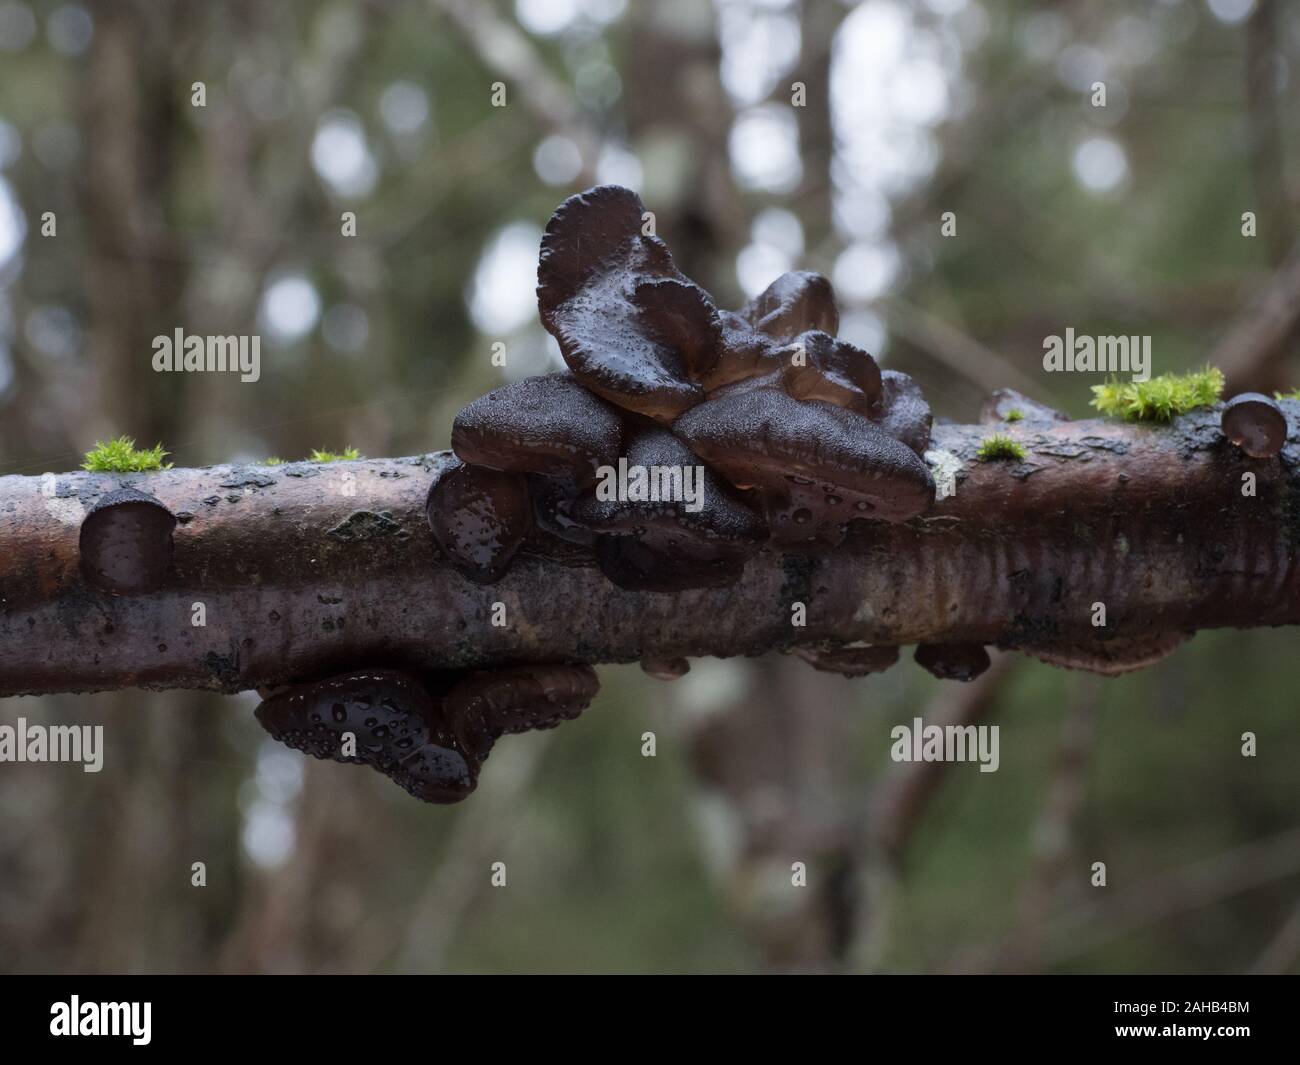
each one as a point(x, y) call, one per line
point(307, 569)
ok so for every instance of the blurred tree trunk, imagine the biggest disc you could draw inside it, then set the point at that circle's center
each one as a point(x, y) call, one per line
point(150, 829)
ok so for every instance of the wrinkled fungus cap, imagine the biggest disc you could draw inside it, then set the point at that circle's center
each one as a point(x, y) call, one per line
point(552, 499)
point(670, 543)
point(792, 304)
point(769, 439)
point(595, 294)
point(902, 411)
point(126, 543)
point(681, 315)
point(549, 425)
point(743, 353)
point(669, 523)
point(833, 371)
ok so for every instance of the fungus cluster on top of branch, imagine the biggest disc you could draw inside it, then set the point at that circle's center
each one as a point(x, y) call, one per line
point(794, 434)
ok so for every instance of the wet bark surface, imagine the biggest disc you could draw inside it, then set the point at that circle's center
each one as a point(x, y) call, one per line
point(307, 570)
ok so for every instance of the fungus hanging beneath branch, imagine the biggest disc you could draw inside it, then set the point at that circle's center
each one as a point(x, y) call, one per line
point(953, 661)
point(429, 734)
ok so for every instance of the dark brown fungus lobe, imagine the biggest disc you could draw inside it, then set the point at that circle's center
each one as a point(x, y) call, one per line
point(484, 706)
point(756, 340)
point(633, 564)
point(479, 517)
point(902, 411)
point(770, 379)
point(594, 260)
point(849, 661)
point(395, 725)
point(1004, 401)
point(1110, 658)
point(126, 543)
point(549, 425)
point(1255, 424)
point(667, 521)
point(553, 498)
point(766, 439)
point(743, 354)
point(681, 315)
point(834, 371)
point(794, 303)
point(665, 668)
point(953, 661)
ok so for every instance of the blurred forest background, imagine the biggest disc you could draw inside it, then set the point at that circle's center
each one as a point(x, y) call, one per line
point(226, 219)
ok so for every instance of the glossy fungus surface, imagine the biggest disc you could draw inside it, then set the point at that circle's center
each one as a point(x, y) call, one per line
point(549, 425)
point(1255, 423)
point(385, 719)
point(902, 411)
point(953, 661)
point(798, 433)
point(595, 259)
point(849, 661)
point(833, 371)
point(489, 704)
point(125, 543)
point(479, 517)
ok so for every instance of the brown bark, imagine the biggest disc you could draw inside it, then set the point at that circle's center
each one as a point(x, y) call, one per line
point(305, 570)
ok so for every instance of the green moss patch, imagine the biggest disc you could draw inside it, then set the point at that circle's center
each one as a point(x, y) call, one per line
point(999, 447)
point(348, 454)
point(1162, 398)
point(122, 456)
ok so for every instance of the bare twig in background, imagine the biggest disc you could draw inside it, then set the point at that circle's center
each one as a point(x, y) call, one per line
point(1283, 950)
point(1264, 74)
point(462, 872)
point(902, 795)
point(772, 768)
point(1172, 894)
point(1053, 841)
point(958, 352)
point(897, 802)
point(1259, 338)
point(507, 52)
